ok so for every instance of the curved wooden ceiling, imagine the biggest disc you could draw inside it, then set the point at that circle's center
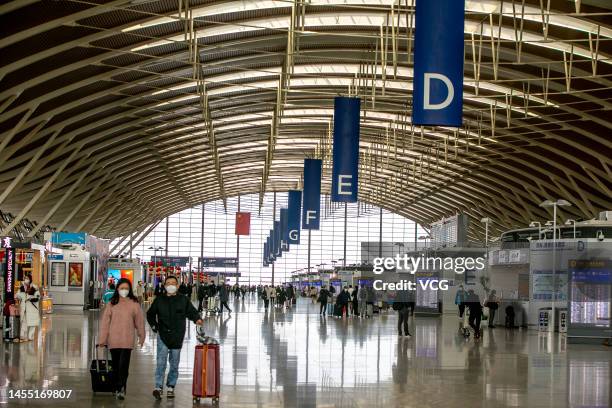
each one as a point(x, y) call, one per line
point(116, 114)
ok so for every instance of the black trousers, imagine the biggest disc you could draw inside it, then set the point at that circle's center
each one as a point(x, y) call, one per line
point(224, 304)
point(266, 303)
point(491, 316)
point(403, 314)
point(200, 301)
point(474, 320)
point(323, 308)
point(356, 307)
point(461, 309)
point(121, 367)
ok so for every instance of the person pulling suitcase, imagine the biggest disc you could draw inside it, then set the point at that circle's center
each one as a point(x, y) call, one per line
point(167, 317)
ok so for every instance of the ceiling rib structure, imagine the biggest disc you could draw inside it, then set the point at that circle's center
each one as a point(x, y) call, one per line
point(115, 114)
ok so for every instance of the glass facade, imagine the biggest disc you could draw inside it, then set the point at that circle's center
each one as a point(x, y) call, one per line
point(181, 235)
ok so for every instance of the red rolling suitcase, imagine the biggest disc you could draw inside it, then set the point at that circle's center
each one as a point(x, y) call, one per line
point(206, 378)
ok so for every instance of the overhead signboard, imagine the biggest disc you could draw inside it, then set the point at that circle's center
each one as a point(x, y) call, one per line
point(218, 262)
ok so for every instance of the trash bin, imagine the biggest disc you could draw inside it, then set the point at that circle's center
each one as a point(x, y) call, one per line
point(562, 320)
point(544, 318)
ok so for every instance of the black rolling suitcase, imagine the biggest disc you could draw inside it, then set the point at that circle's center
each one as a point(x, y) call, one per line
point(337, 310)
point(101, 373)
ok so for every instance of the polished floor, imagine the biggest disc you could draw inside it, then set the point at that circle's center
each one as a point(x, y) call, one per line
point(298, 359)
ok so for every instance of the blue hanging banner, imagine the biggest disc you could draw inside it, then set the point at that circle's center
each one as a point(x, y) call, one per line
point(284, 229)
point(345, 171)
point(438, 63)
point(269, 252)
point(295, 204)
point(265, 254)
point(311, 207)
point(278, 250)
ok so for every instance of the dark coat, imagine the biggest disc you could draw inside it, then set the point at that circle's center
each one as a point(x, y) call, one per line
point(167, 316)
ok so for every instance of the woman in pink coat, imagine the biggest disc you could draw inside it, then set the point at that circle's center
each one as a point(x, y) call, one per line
point(121, 319)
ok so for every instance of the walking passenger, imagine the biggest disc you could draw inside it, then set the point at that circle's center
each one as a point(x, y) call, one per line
point(224, 297)
point(266, 294)
point(363, 294)
point(460, 300)
point(493, 305)
point(402, 305)
point(167, 317)
point(121, 318)
point(343, 301)
point(475, 308)
point(355, 301)
point(140, 292)
point(106, 297)
point(201, 296)
point(28, 297)
point(324, 296)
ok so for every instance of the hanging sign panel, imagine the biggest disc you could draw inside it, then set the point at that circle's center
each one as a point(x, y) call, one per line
point(278, 251)
point(265, 254)
point(311, 206)
point(438, 63)
point(346, 150)
point(284, 229)
point(243, 223)
point(295, 203)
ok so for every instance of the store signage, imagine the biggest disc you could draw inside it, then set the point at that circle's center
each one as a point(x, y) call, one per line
point(438, 63)
point(294, 207)
point(311, 206)
point(56, 257)
point(78, 238)
point(346, 150)
point(216, 262)
point(6, 242)
point(9, 270)
point(284, 229)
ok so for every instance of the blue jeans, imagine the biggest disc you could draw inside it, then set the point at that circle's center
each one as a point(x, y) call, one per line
point(163, 354)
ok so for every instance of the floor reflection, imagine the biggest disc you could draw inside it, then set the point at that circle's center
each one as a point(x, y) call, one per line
point(297, 358)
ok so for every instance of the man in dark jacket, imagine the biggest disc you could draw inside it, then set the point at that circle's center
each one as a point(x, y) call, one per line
point(202, 292)
point(167, 316)
point(475, 307)
point(402, 305)
point(224, 297)
point(342, 301)
point(324, 296)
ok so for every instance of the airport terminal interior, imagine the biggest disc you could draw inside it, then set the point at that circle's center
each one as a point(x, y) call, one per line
point(306, 203)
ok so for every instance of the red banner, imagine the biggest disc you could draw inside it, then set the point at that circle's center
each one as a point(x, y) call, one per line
point(243, 223)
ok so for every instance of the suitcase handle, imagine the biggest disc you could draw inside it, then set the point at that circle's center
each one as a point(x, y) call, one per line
point(96, 346)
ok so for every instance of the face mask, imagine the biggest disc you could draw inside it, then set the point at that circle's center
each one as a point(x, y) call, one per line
point(124, 292)
point(27, 281)
point(171, 289)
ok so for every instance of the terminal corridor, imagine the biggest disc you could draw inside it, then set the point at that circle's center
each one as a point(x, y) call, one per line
point(296, 358)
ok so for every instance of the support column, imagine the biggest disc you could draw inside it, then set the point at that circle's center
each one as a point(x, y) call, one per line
point(273, 218)
point(345, 220)
point(200, 263)
point(167, 232)
point(415, 235)
point(238, 251)
point(380, 233)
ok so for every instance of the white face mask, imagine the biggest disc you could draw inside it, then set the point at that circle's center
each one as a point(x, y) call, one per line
point(171, 289)
point(124, 292)
point(26, 281)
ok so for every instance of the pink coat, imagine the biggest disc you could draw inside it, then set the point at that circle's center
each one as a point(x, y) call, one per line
point(119, 322)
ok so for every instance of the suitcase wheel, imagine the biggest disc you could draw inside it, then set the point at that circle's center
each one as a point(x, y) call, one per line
point(196, 400)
